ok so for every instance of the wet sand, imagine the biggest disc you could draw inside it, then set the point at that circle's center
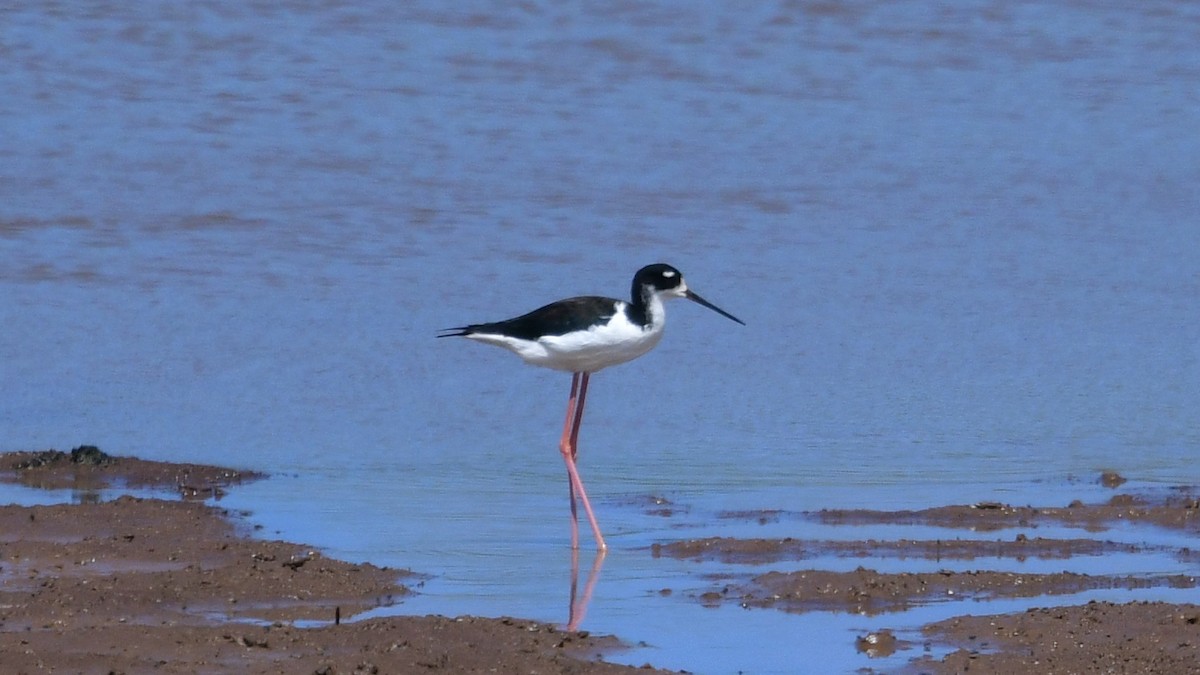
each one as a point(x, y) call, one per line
point(179, 586)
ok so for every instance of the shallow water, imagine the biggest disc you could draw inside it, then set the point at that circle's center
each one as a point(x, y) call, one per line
point(963, 239)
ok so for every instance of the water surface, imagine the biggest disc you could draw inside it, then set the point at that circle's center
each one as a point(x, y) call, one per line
point(963, 239)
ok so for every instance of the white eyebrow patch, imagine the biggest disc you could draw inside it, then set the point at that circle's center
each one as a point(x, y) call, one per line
point(668, 273)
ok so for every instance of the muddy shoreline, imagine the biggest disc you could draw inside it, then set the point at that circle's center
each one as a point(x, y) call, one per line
point(180, 585)
point(139, 585)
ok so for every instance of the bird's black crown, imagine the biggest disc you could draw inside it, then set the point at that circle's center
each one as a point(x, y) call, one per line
point(659, 276)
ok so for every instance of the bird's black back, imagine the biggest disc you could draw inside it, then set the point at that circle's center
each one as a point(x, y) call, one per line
point(557, 318)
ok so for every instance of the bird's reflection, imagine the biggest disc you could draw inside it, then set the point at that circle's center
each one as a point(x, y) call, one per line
point(579, 603)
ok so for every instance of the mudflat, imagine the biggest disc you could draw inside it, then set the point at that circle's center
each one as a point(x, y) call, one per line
point(181, 585)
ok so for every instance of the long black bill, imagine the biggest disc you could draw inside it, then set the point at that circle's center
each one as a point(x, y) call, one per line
point(701, 301)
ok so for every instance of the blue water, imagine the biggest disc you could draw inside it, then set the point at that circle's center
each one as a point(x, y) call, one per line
point(963, 239)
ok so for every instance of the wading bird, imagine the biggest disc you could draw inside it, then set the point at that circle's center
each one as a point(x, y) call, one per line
point(583, 336)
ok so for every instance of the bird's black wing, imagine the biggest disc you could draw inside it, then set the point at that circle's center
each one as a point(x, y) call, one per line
point(557, 318)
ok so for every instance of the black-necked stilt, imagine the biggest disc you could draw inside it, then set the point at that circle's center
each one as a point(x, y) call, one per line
point(585, 335)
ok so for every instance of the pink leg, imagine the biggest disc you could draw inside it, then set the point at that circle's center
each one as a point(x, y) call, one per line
point(582, 379)
point(583, 385)
point(564, 445)
point(568, 446)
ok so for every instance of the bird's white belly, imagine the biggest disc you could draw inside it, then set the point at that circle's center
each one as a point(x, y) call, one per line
point(593, 350)
point(582, 351)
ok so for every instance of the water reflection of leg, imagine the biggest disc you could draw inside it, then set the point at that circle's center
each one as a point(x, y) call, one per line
point(572, 622)
point(579, 605)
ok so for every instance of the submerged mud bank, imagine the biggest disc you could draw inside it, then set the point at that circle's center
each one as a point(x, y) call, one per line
point(983, 543)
